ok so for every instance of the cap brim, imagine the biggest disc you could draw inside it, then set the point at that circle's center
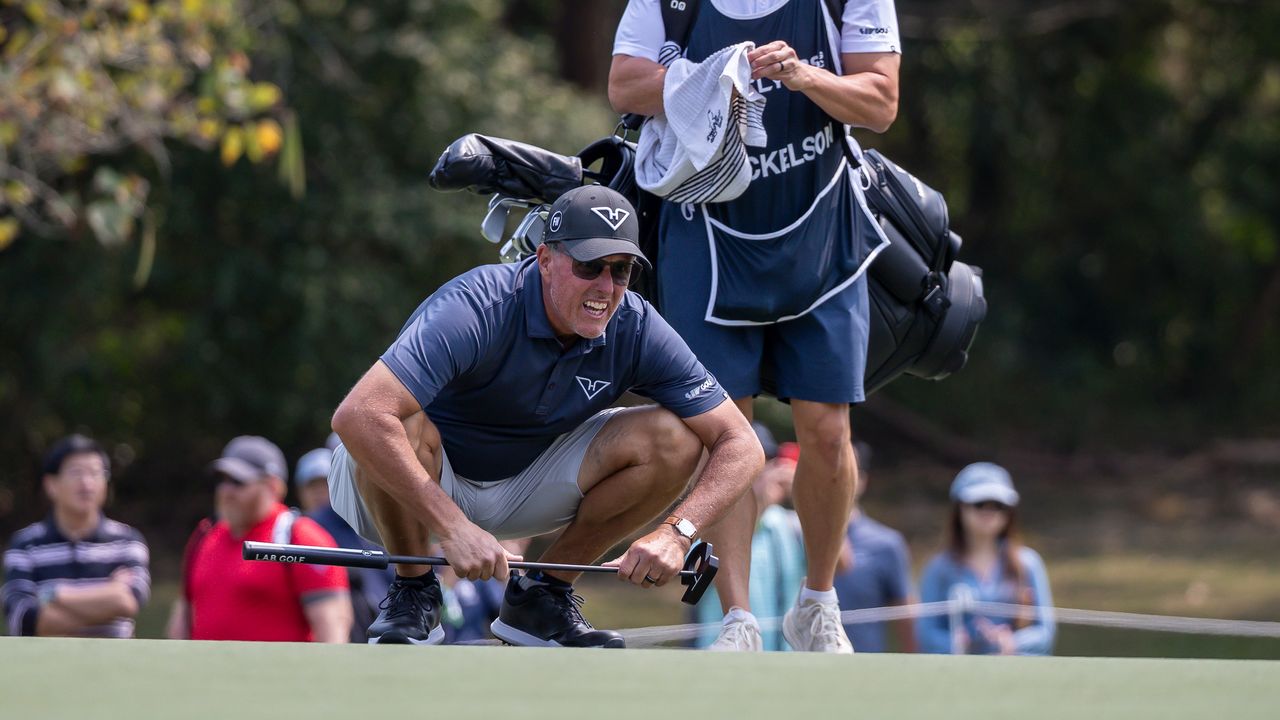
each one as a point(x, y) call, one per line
point(236, 469)
point(989, 491)
point(589, 249)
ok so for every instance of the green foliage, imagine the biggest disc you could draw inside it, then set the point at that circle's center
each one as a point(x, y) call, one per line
point(261, 307)
point(256, 192)
point(1116, 178)
point(86, 82)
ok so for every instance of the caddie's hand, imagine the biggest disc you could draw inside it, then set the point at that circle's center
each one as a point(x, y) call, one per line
point(776, 61)
point(654, 559)
point(475, 554)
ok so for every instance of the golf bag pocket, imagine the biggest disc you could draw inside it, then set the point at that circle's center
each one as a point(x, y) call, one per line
point(785, 274)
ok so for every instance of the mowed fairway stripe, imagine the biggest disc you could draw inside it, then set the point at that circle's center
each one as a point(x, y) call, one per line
point(107, 679)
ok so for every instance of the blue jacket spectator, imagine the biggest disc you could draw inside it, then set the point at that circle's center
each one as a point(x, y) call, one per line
point(985, 562)
point(874, 571)
point(880, 576)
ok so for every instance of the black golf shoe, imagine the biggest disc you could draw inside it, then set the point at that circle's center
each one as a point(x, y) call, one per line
point(545, 614)
point(410, 613)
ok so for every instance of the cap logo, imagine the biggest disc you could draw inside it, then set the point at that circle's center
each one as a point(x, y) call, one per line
point(554, 224)
point(612, 216)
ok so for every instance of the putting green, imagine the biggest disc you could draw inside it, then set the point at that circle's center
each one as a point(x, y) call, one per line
point(104, 679)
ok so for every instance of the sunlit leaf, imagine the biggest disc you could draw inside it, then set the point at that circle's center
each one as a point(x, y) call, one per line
point(8, 231)
point(232, 145)
point(269, 136)
point(263, 96)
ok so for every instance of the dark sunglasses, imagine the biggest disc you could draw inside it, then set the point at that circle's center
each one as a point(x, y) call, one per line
point(989, 505)
point(620, 271)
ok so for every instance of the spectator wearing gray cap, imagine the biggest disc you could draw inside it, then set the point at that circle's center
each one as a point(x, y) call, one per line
point(225, 597)
point(985, 561)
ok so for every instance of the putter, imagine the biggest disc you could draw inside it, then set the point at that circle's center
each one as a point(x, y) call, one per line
point(700, 565)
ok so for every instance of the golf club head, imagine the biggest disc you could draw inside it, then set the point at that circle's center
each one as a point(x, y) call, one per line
point(704, 565)
point(495, 221)
point(528, 234)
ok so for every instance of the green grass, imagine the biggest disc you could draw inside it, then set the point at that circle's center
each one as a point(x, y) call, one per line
point(59, 678)
point(1116, 583)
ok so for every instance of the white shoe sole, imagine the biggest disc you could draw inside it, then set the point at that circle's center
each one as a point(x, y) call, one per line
point(436, 637)
point(512, 636)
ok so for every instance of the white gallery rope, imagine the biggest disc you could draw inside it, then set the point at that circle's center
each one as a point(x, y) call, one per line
point(648, 636)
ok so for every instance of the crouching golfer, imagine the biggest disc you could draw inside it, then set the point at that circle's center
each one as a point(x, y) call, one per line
point(489, 418)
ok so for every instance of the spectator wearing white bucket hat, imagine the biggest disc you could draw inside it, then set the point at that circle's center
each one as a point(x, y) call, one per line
point(985, 561)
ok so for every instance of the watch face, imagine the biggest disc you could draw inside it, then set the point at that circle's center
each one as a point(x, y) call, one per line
point(685, 528)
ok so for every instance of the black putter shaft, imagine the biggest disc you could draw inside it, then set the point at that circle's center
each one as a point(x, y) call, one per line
point(347, 557)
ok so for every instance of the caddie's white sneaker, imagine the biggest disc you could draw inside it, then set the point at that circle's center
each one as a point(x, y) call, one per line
point(740, 632)
point(812, 626)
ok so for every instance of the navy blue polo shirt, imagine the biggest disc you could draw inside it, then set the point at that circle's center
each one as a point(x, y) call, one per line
point(482, 359)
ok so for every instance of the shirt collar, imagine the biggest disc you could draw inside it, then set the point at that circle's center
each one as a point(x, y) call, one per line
point(94, 535)
point(537, 325)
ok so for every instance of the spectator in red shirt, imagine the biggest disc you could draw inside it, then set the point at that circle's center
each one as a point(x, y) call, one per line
point(225, 597)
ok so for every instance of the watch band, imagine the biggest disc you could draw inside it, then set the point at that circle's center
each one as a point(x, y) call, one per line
point(682, 526)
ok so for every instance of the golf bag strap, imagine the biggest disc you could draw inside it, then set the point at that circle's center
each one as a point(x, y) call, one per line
point(282, 530)
point(282, 534)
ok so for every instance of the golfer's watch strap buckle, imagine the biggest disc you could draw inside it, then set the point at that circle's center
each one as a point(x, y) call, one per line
point(683, 527)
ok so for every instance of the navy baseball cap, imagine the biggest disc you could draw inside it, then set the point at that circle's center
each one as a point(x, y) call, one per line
point(250, 457)
point(984, 481)
point(592, 222)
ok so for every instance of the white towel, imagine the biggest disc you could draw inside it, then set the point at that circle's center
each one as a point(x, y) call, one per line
point(696, 151)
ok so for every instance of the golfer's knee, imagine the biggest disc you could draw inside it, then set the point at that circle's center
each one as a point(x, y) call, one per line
point(676, 448)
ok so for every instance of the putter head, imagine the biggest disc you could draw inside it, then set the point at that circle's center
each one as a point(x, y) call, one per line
point(704, 566)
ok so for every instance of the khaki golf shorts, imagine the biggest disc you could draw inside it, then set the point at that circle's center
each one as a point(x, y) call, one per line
point(542, 498)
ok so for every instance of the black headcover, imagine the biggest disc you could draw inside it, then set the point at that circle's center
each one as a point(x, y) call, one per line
point(487, 165)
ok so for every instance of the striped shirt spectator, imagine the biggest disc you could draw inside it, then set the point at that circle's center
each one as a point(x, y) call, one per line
point(41, 562)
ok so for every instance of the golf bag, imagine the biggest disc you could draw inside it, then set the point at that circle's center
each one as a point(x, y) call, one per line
point(925, 306)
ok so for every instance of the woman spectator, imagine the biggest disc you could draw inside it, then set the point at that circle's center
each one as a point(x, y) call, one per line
point(985, 561)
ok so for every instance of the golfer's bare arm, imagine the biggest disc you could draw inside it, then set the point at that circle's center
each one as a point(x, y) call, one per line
point(370, 422)
point(734, 457)
point(866, 95)
point(330, 617)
